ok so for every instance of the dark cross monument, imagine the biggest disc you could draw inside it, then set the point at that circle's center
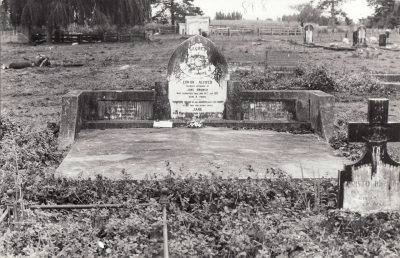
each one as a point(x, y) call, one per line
point(373, 182)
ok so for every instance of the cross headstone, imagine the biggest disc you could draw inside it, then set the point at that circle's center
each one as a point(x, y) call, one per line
point(372, 183)
point(197, 80)
point(308, 35)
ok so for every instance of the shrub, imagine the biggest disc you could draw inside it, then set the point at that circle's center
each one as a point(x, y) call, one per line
point(207, 217)
point(24, 152)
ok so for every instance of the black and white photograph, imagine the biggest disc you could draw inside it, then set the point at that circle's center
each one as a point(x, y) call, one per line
point(200, 128)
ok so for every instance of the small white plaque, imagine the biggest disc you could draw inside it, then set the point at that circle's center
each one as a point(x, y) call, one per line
point(162, 124)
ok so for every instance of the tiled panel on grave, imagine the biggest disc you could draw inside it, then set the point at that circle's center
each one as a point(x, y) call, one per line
point(271, 110)
point(124, 110)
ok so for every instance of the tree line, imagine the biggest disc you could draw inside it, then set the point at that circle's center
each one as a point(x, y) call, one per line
point(54, 15)
point(230, 16)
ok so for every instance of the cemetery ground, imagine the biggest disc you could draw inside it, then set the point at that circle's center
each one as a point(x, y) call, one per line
point(207, 217)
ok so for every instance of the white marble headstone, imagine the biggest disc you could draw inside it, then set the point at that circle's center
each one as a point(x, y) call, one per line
point(197, 80)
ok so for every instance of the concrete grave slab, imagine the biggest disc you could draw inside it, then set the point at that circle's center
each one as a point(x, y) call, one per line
point(226, 152)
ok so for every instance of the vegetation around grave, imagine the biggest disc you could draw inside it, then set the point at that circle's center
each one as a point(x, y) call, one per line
point(207, 216)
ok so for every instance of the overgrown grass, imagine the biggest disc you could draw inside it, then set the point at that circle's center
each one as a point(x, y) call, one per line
point(207, 217)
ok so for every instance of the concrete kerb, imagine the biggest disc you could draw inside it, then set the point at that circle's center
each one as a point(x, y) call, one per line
point(390, 81)
point(312, 107)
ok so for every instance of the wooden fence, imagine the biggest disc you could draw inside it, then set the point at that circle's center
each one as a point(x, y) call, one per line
point(90, 38)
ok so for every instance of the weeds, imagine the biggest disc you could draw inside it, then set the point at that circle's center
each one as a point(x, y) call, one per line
point(207, 216)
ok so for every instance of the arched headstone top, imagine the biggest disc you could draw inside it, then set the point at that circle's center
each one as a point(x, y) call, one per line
point(197, 57)
point(361, 27)
point(309, 27)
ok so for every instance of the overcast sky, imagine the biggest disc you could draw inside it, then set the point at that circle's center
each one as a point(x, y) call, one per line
point(273, 8)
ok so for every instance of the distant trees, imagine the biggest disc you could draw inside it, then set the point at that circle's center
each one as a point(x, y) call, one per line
point(334, 8)
point(307, 13)
point(54, 14)
point(290, 18)
point(230, 16)
point(176, 9)
point(387, 14)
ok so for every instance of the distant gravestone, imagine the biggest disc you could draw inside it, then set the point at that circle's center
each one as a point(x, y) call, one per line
point(387, 34)
point(372, 184)
point(355, 37)
point(308, 35)
point(382, 40)
point(197, 80)
point(281, 61)
point(361, 37)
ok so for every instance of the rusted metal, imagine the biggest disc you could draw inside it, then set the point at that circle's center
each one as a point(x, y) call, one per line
point(83, 206)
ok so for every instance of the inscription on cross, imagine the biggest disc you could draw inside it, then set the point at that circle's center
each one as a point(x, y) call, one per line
point(373, 182)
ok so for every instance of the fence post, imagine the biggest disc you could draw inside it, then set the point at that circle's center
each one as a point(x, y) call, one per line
point(165, 201)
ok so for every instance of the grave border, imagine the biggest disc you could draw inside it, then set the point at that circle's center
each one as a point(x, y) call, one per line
point(314, 109)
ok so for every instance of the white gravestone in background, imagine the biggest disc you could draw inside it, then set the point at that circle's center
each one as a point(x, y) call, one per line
point(197, 75)
point(309, 33)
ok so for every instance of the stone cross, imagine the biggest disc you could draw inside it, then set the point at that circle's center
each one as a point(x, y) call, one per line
point(373, 182)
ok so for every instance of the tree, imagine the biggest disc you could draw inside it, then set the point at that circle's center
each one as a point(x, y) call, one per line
point(333, 6)
point(307, 13)
point(54, 14)
point(230, 16)
point(387, 13)
point(177, 9)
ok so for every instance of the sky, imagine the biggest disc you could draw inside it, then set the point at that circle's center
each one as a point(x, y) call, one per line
point(263, 9)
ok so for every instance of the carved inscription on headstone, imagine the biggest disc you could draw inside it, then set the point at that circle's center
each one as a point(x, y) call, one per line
point(372, 184)
point(282, 110)
point(124, 110)
point(197, 75)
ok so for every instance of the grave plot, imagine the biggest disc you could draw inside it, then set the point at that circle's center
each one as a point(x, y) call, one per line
point(198, 89)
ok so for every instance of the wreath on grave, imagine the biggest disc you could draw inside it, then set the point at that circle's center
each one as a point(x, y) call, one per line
point(217, 73)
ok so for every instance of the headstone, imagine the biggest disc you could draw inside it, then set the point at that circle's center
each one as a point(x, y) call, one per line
point(372, 183)
point(281, 60)
point(387, 34)
point(197, 80)
point(362, 31)
point(355, 38)
point(308, 35)
point(382, 40)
